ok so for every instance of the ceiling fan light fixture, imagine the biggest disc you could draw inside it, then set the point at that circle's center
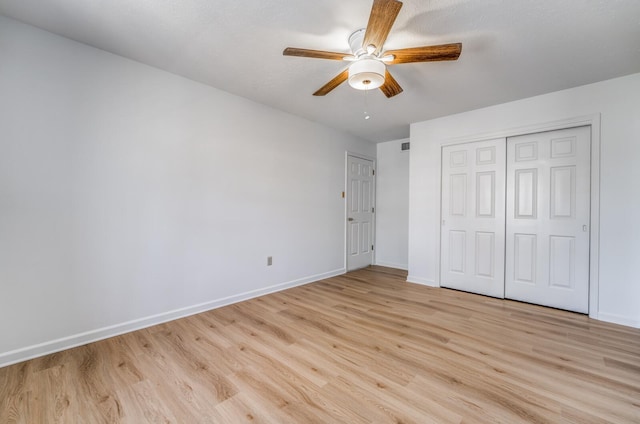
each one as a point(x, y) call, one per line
point(369, 60)
point(366, 74)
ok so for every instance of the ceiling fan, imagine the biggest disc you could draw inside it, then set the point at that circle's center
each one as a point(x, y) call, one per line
point(368, 69)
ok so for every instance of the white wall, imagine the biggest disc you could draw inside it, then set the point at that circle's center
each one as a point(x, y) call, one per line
point(618, 103)
point(130, 196)
point(392, 205)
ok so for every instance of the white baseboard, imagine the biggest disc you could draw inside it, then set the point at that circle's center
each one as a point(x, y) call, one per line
point(41, 349)
point(404, 267)
point(618, 319)
point(421, 280)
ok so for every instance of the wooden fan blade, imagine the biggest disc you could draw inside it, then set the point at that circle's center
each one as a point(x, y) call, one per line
point(339, 79)
point(426, 53)
point(390, 87)
point(383, 15)
point(317, 54)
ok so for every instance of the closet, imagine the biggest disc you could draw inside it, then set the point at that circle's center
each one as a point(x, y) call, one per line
point(515, 218)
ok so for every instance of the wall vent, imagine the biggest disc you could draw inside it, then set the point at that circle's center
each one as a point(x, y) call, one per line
point(405, 146)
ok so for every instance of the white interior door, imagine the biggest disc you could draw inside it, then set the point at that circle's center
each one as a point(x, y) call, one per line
point(548, 198)
point(360, 190)
point(473, 207)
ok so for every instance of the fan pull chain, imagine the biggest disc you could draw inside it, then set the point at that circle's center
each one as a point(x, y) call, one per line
point(366, 115)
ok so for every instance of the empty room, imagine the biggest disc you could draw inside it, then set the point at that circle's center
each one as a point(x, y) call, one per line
point(368, 211)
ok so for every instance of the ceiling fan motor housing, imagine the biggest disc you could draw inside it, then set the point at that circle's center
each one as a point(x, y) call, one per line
point(355, 42)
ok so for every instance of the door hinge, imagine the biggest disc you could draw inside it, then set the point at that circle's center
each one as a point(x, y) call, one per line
point(374, 171)
point(373, 210)
point(372, 247)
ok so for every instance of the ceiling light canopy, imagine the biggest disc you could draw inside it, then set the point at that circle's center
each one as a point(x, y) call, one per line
point(366, 74)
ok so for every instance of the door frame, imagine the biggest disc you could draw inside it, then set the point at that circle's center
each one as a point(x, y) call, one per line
point(593, 121)
point(346, 209)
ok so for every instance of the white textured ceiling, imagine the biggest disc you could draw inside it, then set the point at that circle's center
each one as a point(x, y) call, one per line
point(511, 49)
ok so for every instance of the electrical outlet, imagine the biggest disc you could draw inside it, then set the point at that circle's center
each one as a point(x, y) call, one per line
point(269, 260)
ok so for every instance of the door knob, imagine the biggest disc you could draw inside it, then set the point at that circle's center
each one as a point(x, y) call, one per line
point(349, 219)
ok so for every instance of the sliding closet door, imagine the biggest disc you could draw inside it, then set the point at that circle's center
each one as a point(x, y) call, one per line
point(548, 198)
point(472, 236)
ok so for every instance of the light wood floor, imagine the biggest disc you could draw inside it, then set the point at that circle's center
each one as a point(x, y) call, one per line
point(359, 348)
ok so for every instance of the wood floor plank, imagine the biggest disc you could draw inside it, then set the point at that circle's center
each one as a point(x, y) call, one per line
point(364, 347)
